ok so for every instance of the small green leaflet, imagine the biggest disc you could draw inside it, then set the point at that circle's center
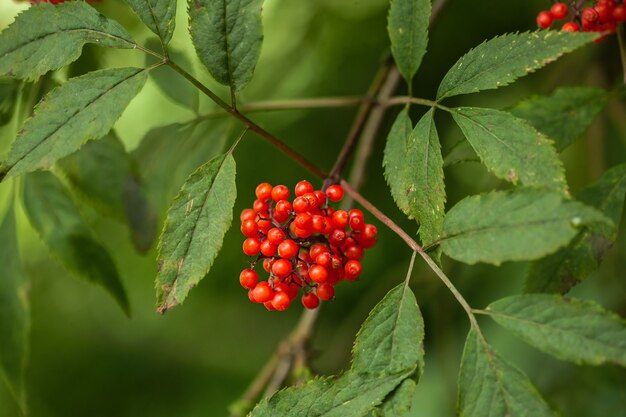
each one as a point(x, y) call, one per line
point(82, 109)
point(175, 87)
point(158, 15)
point(14, 311)
point(56, 219)
point(564, 269)
point(387, 351)
point(503, 59)
point(565, 115)
point(227, 35)
point(414, 171)
point(574, 330)
point(511, 148)
point(522, 224)
point(46, 37)
point(489, 386)
point(196, 223)
point(105, 175)
point(407, 25)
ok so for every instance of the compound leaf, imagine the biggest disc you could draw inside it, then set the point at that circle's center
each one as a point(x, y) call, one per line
point(414, 172)
point(84, 108)
point(46, 37)
point(511, 148)
point(574, 330)
point(407, 25)
point(56, 219)
point(562, 270)
point(503, 59)
point(399, 402)
point(489, 386)
point(227, 35)
point(158, 15)
point(564, 115)
point(194, 229)
point(522, 224)
point(14, 311)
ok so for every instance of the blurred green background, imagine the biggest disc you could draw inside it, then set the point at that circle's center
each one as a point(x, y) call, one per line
point(88, 359)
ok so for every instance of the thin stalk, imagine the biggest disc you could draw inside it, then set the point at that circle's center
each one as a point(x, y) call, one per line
point(621, 33)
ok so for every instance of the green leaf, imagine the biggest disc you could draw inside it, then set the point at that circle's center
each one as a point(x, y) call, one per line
point(350, 395)
point(399, 402)
point(503, 59)
point(511, 148)
point(388, 349)
point(227, 35)
point(158, 15)
point(574, 330)
point(567, 267)
point(82, 109)
point(407, 25)
point(46, 37)
point(194, 229)
point(391, 339)
point(522, 224)
point(105, 175)
point(489, 386)
point(167, 155)
point(57, 221)
point(175, 87)
point(565, 115)
point(14, 311)
point(414, 172)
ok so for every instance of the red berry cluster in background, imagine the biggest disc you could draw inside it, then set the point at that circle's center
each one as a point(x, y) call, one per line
point(302, 244)
point(602, 16)
point(58, 1)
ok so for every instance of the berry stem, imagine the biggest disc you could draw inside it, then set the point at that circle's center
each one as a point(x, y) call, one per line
point(621, 33)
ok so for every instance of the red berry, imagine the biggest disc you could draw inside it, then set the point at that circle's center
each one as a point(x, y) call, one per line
point(247, 214)
point(275, 235)
point(310, 301)
point(303, 187)
point(334, 192)
point(288, 249)
point(263, 191)
point(604, 12)
point(280, 192)
point(589, 15)
point(267, 264)
point(248, 278)
point(337, 237)
point(311, 198)
point(262, 292)
point(281, 301)
point(260, 206)
point(353, 269)
point(324, 259)
point(353, 252)
point(300, 204)
point(282, 268)
point(317, 249)
point(558, 11)
point(570, 27)
point(325, 291)
point(619, 13)
point(249, 228)
point(318, 273)
point(320, 196)
point(251, 246)
point(544, 19)
point(267, 248)
point(340, 219)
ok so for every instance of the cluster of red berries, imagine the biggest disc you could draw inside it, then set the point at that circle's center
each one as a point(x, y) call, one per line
point(58, 1)
point(303, 244)
point(603, 16)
